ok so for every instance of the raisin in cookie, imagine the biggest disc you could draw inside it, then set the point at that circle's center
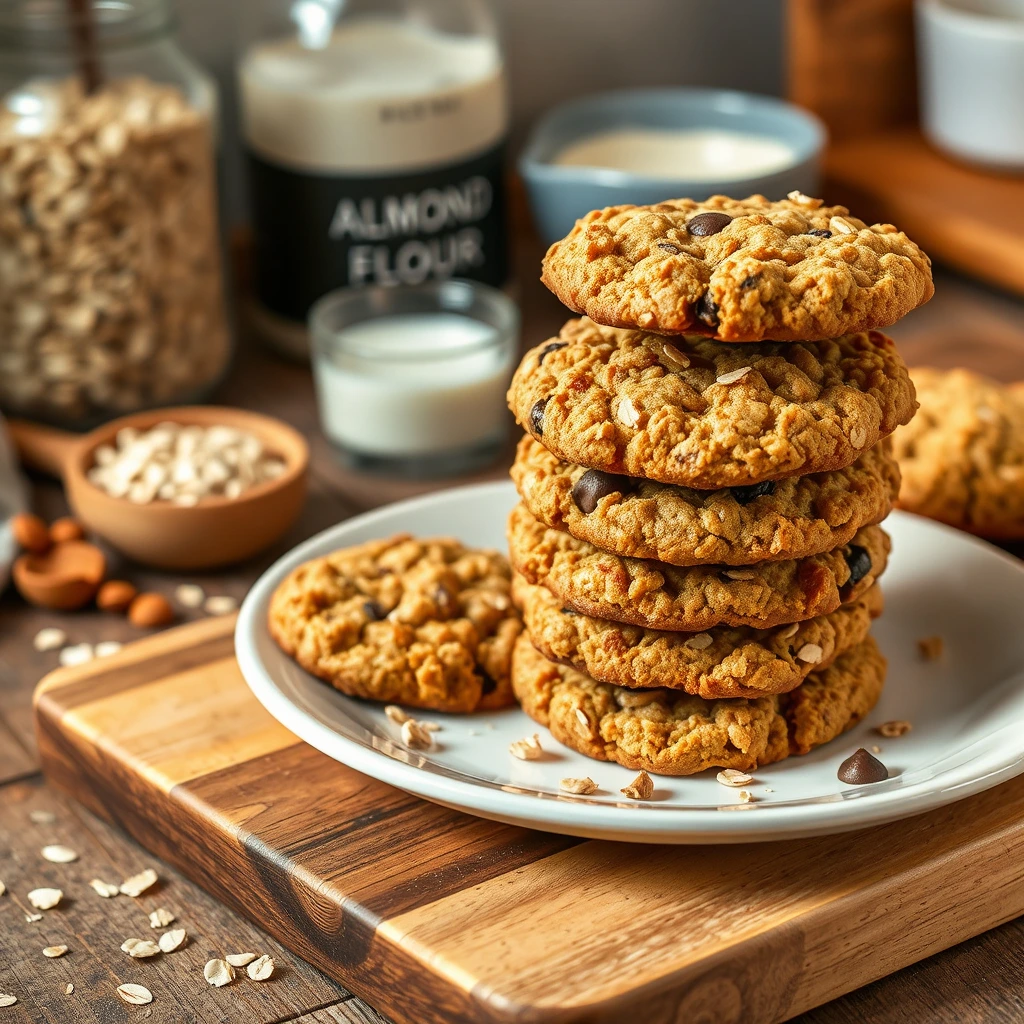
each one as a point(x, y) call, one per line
point(427, 623)
point(775, 519)
point(739, 270)
point(706, 415)
point(723, 662)
point(673, 733)
point(962, 456)
point(656, 595)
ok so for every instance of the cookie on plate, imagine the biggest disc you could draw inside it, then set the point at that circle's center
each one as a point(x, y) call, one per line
point(698, 413)
point(656, 595)
point(962, 456)
point(673, 733)
point(738, 269)
point(777, 519)
point(426, 623)
point(722, 662)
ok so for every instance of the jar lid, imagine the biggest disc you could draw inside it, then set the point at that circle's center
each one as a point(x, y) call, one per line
point(48, 25)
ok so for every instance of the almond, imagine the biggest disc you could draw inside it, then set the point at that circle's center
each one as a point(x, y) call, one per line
point(66, 528)
point(115, 596)
point(30, 532)
point(150, 610)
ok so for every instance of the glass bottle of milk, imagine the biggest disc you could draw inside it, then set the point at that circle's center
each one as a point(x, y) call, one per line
point(375, 132)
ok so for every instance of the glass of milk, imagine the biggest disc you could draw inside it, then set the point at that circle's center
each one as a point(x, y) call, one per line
point(411, 381)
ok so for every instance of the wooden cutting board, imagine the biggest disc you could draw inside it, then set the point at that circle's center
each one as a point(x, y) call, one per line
point(434, 916)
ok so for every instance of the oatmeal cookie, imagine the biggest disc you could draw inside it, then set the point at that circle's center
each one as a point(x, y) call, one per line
point(702, 414)
point(739, 270)
point(962, 456)
point(673, 733)
point(426, 623)
point(656, 595)
point(776, 519)
point(723, 662)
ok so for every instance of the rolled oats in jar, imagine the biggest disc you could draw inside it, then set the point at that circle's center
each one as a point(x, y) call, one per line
point(111, 287)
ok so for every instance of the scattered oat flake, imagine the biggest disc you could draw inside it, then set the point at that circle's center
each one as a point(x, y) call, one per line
point(172, 940)
point(140, 949)
point(396, 714)
point(261, 968)
point(7, 1000)
point(218, 973)
point(858, 437)
point(77, 654)
point(768, 790)
point(526, 749)
point(32, 918)
point(841, 226)
point(894, 728)
point(876, 749)
point(52, 952)
point(105, 889)
point(641, 788)
point(672, 355)
point(700, 641)
point(581, 717)
point(68, 989)
point(415, 736)
point(798, 197)
point(746, 797)
point(581, 787)
point(734, 777)
point(628, 413)
point(240, 959)
point(788, 631)
point(733, 375)
point(160, 918)
point(105, 648)
point(49, 639)
point(45, 899)
point(42, 817)
point(220, 604)
point(137, 995)
point(810, 653)
point(189, 595)
point(930, 647)
point(138, 884)
point(59, 854)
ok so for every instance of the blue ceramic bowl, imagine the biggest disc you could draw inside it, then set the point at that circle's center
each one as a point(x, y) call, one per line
point(559, 195)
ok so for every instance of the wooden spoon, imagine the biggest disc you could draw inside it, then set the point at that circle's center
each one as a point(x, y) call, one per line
point(216, 532)
point(65, 577)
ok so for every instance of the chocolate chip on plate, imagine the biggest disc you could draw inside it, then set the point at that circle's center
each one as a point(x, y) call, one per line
point(819, 232)
point(537, 416)
point(859, 562)
point(861, 768)
point(548, 349)
point(707, 310)
point(745, 495)
point(709, 223)
point(595, 485)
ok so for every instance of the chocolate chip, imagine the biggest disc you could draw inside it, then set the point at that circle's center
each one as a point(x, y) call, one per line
point(489, 685)
point(709, 223)
point(749, 282)
point(859, 561)
point(745, 495)
point(707, 310)
point(553, 347)
point(373, 611)
point(595, 485)
point(861, 768)
point(819, 232)
point(537, 416)
point(669, 247)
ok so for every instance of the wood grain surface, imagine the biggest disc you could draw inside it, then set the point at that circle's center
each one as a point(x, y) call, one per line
point(435, 916)
point(977, 982)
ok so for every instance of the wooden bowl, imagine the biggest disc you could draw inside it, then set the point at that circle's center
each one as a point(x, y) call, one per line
point(215, 532)
point(65, 577)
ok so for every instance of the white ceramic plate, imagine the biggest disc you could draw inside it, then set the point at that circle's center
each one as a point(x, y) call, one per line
point(967, 709)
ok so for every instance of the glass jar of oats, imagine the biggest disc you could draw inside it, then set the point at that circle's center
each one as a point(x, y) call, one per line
point(111, 283)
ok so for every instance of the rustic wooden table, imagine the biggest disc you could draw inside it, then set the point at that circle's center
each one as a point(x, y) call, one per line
point(976, 981)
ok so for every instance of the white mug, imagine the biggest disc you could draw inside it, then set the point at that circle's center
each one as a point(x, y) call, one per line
point(971, 77)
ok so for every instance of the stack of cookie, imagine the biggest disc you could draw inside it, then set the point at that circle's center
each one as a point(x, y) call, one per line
point(705, 468)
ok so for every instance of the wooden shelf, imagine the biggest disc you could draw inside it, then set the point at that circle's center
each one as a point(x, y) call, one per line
point(969, 219)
